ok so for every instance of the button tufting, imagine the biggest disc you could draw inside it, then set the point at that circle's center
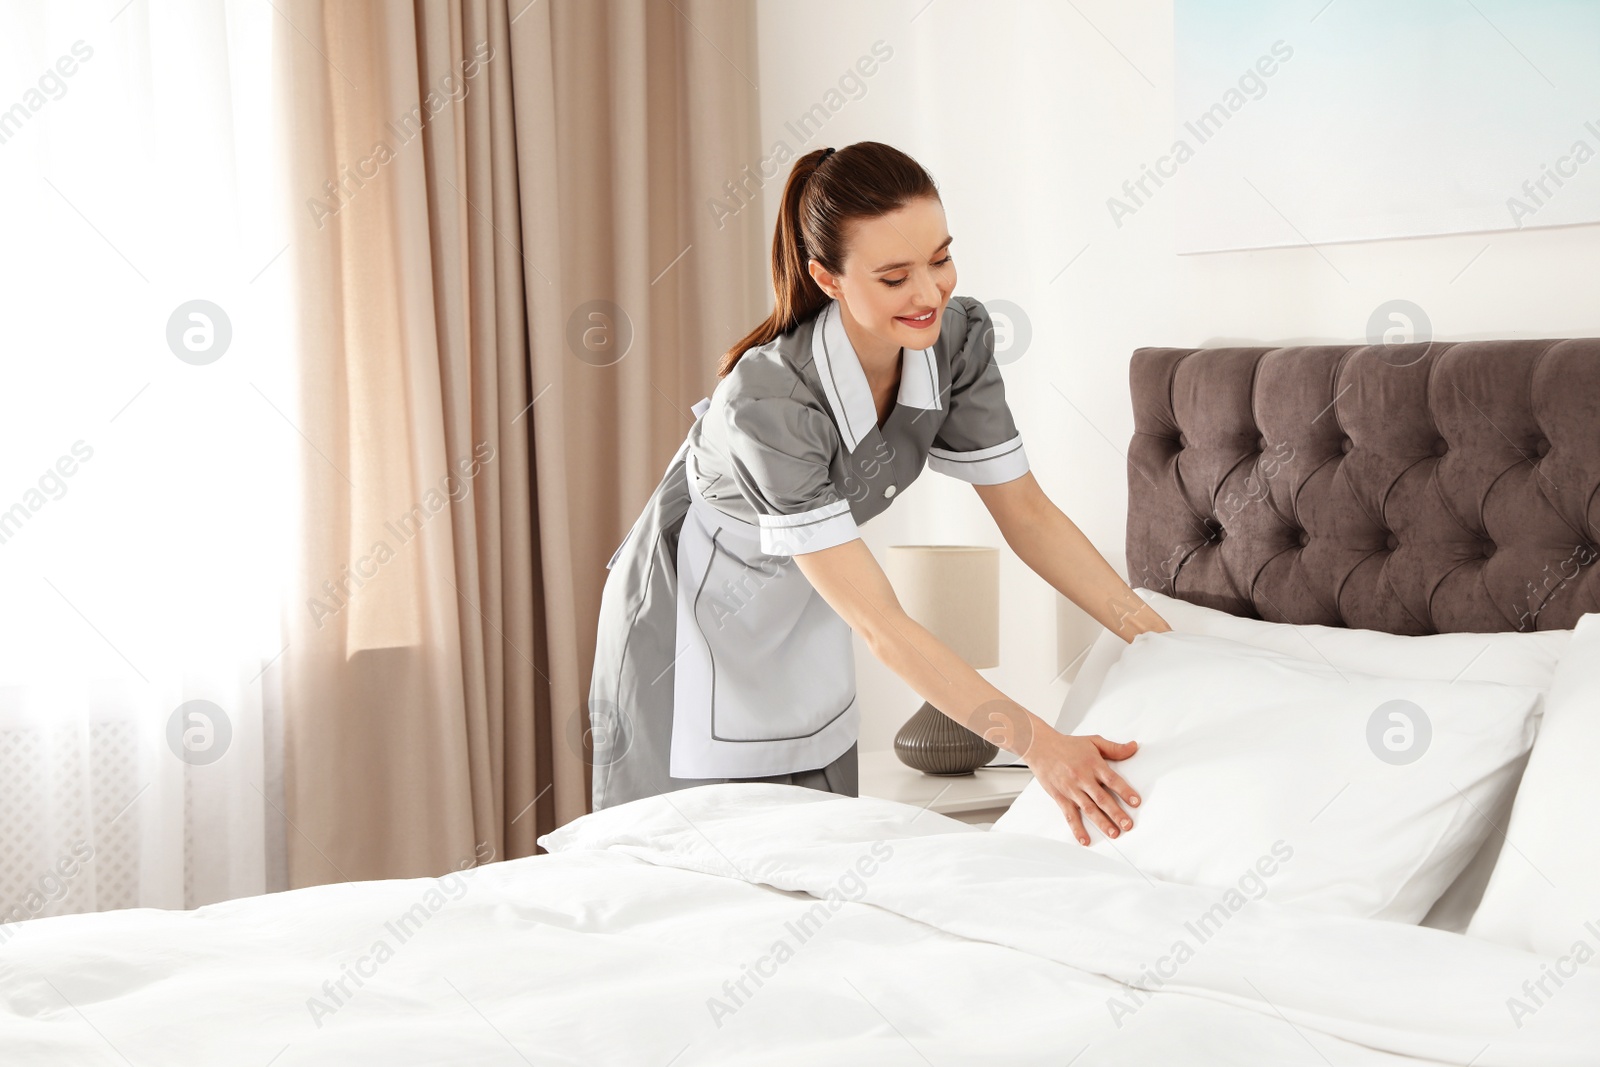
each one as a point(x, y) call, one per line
point(888, 490)
point(1183, 441)
point(1440, 447)
point(1487, 549)
point(1543, 447)
point(1304, 538)
point(1391, 542)
point(1346, 445)
point(1261, 444)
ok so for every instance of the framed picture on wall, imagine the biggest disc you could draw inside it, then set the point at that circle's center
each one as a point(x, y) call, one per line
point(1316, 122)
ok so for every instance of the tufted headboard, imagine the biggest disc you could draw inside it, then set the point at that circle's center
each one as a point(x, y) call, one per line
point(1414, 489)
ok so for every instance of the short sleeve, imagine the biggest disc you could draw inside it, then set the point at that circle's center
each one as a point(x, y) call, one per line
point(978, 441)
point(781, 450)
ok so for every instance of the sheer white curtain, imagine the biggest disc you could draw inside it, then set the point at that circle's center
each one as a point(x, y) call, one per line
point(147, 433)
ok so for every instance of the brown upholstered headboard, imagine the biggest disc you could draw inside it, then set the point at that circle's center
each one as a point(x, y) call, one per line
point(1414, 489)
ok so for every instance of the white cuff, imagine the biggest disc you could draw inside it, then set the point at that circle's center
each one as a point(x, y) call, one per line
point(808, 531)
point(982, 466)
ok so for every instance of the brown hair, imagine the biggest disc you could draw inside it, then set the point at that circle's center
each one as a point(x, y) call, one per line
point(827, 189)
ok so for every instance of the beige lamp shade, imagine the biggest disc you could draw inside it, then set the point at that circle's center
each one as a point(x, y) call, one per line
point(954, 592)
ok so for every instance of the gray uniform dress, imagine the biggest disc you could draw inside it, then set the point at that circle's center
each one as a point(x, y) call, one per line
point(741, 671)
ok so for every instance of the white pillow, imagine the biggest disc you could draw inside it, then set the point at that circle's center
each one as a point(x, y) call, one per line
point(1508, 657)
point(1544, 894)
point(1245, 752)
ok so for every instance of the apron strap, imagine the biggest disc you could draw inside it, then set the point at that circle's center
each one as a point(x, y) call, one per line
point(745, 533)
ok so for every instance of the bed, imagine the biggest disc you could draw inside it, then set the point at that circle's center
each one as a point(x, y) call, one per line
point(1398, 492)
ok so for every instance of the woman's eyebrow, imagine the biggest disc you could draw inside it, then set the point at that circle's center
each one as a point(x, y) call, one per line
point(902, 266)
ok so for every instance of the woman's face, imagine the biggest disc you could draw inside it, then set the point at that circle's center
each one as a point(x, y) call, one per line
point(897, 269)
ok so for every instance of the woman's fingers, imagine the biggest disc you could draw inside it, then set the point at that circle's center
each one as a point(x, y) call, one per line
point(1097, 815)
point(1077, 806)
point(1114, 749)
point(1109, 807)
point(1070, 809)
point(1118, 785)
point(1084, 786)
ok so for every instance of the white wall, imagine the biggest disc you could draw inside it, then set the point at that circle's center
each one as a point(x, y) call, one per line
point(1029, 116)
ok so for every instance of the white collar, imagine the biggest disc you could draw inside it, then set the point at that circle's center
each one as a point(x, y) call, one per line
point(845, 383)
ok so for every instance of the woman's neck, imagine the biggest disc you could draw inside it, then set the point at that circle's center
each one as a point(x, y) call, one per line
point(880, 359)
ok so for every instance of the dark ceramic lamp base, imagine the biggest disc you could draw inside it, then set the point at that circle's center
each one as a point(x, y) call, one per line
point(934, 743)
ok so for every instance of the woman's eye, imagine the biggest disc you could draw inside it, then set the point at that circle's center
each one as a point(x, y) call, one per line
point(901, 281)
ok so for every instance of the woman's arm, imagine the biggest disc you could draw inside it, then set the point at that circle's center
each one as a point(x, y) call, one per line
point(1072, 769)
point(1057, 551)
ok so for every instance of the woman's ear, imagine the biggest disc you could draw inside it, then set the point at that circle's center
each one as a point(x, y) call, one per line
point(825, 281)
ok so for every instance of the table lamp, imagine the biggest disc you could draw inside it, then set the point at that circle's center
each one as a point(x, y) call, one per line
point(954, 592)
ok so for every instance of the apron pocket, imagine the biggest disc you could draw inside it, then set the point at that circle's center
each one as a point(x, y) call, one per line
point(782, 660)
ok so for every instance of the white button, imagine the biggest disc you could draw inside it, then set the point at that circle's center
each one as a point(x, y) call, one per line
point(889, 491)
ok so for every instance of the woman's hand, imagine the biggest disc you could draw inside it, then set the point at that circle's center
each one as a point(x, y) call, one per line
point(1074, 770)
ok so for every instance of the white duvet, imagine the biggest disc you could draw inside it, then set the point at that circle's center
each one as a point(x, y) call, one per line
point(766, 924)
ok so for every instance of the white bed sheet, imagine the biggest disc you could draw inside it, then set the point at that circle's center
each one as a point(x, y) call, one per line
point(960, 947)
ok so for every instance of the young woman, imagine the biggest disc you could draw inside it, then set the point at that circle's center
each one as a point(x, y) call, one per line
point(724, 649)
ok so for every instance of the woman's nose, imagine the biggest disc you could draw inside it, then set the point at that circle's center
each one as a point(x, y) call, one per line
point(928, 292)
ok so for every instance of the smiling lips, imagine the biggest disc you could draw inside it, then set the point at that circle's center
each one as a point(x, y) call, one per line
point(922, 322)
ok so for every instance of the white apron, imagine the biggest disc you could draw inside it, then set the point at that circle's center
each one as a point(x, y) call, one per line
point(765, 677)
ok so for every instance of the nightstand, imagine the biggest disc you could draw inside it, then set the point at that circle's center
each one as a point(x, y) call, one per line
point(979, 798)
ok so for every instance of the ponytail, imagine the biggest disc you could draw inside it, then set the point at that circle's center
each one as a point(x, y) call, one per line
point(796, 294)
point(825, 191)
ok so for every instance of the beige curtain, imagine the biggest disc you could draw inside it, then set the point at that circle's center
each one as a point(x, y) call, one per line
point(494, 196)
